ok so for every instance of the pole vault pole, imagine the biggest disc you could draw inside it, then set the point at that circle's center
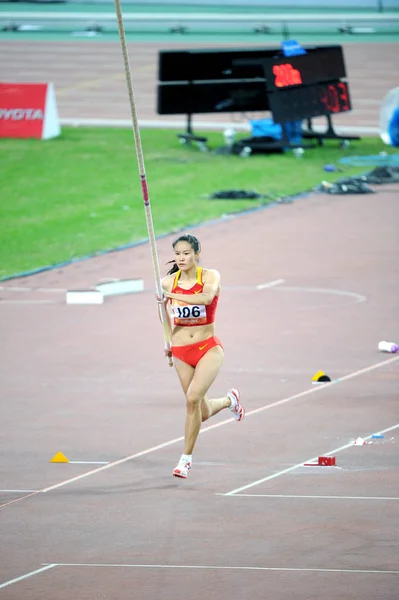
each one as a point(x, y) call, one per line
point(143, 178)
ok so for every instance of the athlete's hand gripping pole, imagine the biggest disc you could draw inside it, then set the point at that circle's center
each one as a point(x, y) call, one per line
point(143, 178)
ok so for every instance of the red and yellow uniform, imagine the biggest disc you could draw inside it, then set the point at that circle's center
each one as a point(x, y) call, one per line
point(190, 315)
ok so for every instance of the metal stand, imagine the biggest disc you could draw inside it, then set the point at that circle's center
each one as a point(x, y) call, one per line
point(266, 145)
point(329, 134)
point(189, 137)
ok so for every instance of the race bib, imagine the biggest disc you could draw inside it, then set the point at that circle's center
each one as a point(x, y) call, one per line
point(185, 312)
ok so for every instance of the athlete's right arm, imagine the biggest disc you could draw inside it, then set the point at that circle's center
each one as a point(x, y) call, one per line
point(166, 286)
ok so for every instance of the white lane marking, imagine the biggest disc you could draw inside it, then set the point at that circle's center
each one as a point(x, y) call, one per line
point(357, 297)
point(17, 491)
point(26, 576)
point(20, 498)
point(327, 385)
point(298, 497)
point(220, 424)
point(200, 124)
point(27, 302)
point(270, 284)
point(9, 288)
point(227, 568)
point(114, 463)
point(89, 462)
point(313, 390)
point(301, 464)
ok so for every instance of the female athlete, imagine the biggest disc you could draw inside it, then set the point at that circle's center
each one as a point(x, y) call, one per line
point(193, 294)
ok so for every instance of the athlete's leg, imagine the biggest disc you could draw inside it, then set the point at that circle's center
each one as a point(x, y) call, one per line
point(212, 407)
point(209, 408)
point(185, 373)
point(204, 375)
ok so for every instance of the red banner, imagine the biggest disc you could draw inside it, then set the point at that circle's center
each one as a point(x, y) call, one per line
point(25, 110)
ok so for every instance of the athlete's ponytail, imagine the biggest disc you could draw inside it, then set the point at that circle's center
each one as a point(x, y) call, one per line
point(190, 239)
point(174, 269)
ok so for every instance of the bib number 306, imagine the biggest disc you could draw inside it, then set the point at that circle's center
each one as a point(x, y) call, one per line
point(189, 312)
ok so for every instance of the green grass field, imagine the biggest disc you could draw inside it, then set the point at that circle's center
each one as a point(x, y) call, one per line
point(80, 193)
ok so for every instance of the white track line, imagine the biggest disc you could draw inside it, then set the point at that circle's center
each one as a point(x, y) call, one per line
point(224, 568)
point(10, 288)
point(200, 124)
point(358, 297)
point(26, 576)
point(313, 390)
point(17, 491)
point(24, 302)
point(220, 424)
point(270, 284)
point(89, 462)
point(325, 386)
point(301, 464)
point(114, 464)
point(294, 497)
point(20, 498)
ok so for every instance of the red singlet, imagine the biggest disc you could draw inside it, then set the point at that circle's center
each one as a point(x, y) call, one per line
point(189, 315)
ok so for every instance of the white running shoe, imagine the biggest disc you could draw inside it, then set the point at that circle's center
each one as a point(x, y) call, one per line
point(235, 407)
point(182, 469)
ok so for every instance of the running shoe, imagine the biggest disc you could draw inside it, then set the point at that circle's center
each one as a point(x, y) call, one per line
point(236, 408)
point(182, 469)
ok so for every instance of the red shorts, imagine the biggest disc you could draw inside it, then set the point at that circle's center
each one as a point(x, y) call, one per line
point(193, 353)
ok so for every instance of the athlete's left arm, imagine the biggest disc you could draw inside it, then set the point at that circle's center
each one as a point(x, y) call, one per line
point(210, 290)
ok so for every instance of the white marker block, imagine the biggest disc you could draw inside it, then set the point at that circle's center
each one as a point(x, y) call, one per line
point(84, 297)
point(124, 286)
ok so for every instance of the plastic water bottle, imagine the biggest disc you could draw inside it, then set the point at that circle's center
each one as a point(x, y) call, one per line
point(298, 152)
point(245, 152)
point(388, 347)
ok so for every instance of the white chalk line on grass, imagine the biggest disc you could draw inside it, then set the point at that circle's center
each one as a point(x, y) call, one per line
point(27, 575)
point(308, 392)
point(225, 568)
point(301, 464)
